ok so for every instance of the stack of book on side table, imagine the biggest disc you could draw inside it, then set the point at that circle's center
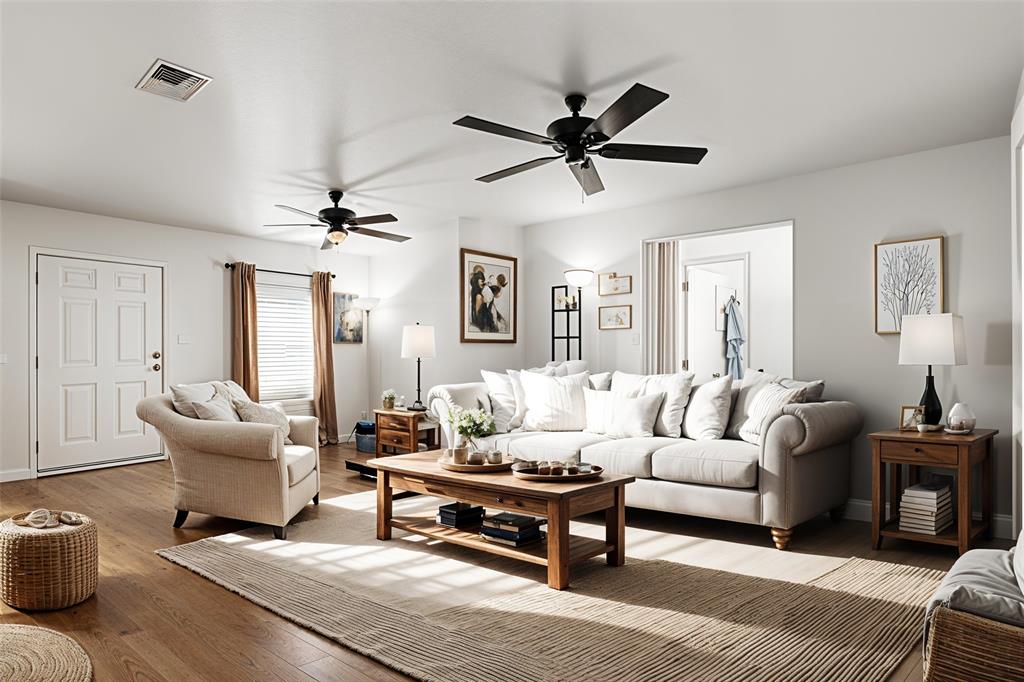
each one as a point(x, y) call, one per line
point(459, 515)
point(927, 507)
point(511, 529)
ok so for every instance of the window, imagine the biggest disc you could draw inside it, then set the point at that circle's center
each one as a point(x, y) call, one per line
point(284, 336)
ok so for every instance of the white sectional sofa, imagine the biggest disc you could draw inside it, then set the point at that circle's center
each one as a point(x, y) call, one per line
point(798, 470)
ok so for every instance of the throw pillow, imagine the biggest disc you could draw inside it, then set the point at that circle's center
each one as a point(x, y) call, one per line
point(676, 389)
point(707, 413)
point(601, 381)
point(765, 407)
point(1018, 561)
point(813, 390)
point(554, 403)
point(218, 408)
point(627, 384)
point(564, 368)
point(183, 395)
point(235, 391)
point(753, 381)
point(619, 416)
point(273, 413)
point(503, 399)
point(517, 391)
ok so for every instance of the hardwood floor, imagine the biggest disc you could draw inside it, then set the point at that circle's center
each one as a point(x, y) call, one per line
point(152, 620)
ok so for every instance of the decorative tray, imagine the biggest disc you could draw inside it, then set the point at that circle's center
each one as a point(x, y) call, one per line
point(532, 475)
point(447, 464)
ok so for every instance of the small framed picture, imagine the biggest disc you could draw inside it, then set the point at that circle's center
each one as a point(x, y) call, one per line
point(613, 284)
point(911, 416)
point(615, 317)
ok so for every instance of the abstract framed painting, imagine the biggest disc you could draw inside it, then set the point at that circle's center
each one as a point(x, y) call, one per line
point(910, 279)
point(488, 296)
point(615, 317)
point(348, 320)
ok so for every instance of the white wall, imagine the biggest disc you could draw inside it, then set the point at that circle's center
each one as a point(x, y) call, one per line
point(197, 301)
point(960, 191)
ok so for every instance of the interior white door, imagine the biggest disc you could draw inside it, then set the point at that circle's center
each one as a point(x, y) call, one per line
point(709, 286)
point(99, 346)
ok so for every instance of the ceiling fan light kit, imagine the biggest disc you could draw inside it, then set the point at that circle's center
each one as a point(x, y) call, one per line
point(577, 138)
point(340, 222)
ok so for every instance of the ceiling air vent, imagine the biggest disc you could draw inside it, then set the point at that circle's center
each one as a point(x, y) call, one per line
point(171, 80)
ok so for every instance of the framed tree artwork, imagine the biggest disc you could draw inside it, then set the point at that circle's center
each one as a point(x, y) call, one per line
point(488, 297)
point(910, 279)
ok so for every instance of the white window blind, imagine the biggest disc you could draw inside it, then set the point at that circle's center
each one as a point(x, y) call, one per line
point(284, 330)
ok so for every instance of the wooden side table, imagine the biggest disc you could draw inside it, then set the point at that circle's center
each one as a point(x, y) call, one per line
point(892, 449)
point(401, 431)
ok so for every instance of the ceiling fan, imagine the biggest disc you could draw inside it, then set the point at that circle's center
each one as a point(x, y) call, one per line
point(576, 138)
point(342, 221)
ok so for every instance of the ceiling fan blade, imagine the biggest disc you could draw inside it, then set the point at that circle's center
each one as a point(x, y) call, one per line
point(371, 219)
point(327, 245)
point(512, 170)
point(586, 174)
point(293, 225)
point(633, 104)
point(653, 152)
point(499, 129)
point(300, 212)
point(377, 233)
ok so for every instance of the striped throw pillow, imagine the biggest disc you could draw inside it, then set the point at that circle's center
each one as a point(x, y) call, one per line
point(765, 406)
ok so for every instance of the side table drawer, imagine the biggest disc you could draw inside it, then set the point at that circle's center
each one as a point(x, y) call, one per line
point(398, 439)
point(918, 453)
point(394, 423)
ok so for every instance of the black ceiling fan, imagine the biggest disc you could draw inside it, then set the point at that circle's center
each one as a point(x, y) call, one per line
point(576, 138)
point(341, 221)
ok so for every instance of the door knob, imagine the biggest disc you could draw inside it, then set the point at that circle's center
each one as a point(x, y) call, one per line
point(156, 367)
point(156, 355)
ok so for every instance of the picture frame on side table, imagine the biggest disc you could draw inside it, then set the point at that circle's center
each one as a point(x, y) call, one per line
point(615, 317)
point(488, 297)
point(910, 417)
point(910, 279)
point(614, 284)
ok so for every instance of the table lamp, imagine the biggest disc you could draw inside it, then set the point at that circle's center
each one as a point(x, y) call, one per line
point(932, 340)
point(417, 342)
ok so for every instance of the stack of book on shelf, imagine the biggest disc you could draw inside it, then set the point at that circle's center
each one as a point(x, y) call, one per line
point(927, 508)
point(511, 529)
point(459, 515)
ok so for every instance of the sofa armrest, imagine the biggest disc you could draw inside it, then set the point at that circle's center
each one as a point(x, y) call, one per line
point(304, 430)
point(468, 396)
point(809, 427)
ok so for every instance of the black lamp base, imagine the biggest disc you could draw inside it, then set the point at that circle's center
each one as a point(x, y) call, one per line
point(930, 400)
point(417, 407)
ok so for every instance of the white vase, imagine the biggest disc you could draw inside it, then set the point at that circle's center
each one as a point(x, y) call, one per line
point(961, 418)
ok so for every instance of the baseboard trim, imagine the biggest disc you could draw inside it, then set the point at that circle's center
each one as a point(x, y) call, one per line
point(15, 475)
point(860, 510)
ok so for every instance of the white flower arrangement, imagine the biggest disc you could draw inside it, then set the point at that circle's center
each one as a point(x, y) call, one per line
point(388, 394)
point(471, 424)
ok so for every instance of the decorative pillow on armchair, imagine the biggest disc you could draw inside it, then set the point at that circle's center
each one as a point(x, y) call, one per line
point(554, 403)
point(272, 413)
point(218, 408)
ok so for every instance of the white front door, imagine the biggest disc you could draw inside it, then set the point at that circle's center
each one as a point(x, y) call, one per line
point(99, 346)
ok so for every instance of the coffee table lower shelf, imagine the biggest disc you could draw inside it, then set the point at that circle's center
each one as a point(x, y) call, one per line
point(580, 548)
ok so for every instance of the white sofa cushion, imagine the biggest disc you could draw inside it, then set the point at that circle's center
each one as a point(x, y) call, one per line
point(503, 399)
point(707, 413)
point(723, 462)
point(602, 381)
point(626, 456)
point(564, 368)
point(564, 447)
point(626, 383)
point(520, 396)
point(619, 416)
point(743, 395)
point(982, 582)
point(1018, 561)
point(676, 388)
point(502, 442)
point(766, 406)
point(299, 460)
point(554, 403)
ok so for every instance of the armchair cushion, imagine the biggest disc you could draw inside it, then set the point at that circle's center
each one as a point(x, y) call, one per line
point(300, 460)
point(218, 408)
point(982, 582)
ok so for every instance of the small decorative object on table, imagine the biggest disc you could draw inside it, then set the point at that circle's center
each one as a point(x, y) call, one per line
point(961, 420)
point(387, 398)
point(467, 425)
point(911, 416)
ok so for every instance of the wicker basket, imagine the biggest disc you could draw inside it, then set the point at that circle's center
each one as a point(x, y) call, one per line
point(47, 568)
point(962, 646)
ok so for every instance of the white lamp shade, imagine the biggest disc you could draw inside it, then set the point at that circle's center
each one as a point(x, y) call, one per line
point(579, 277)
point(417, 341)
point(366, 303)
point(933, 340)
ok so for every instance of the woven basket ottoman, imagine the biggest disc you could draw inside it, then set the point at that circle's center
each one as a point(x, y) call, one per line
point(47, 568)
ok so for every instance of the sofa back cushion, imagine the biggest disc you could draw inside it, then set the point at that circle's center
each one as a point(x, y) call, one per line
point(813, 390)
point(554, 403)
point(707, 412)
point(602, 381)
point(503, 399)
point(676, 388)
point(619, 416)
point(753, 381)
point(517, 390)
point(563, 368)
point(765, 407)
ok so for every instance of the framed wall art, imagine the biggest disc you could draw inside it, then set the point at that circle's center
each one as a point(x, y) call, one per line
point(613, 284)
point(488, 297)
point(615, 317)
point(910, 279)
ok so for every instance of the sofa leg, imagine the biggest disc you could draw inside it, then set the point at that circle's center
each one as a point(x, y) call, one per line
point(280, 532)
point(316, 499)
point(837, 513)
point(179, 517)
point(781, 537)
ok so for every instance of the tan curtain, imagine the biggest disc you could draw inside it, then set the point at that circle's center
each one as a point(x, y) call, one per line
point(244, 369)
point(323, 354)
point(661, 307)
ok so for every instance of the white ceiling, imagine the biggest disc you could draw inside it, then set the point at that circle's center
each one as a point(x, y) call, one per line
point(362, 95)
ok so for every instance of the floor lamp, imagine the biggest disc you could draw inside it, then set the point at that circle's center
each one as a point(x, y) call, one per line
point(417, 342)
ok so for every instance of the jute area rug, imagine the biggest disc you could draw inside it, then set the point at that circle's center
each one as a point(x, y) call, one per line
point(33, 654)
point(443, 613)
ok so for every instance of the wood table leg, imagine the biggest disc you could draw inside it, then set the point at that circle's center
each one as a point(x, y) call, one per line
point(895, 490)
point(986, 489)
point(963, 500)
point(877, 498)
point(615, 528)
point(558, 545)
point(383, 505)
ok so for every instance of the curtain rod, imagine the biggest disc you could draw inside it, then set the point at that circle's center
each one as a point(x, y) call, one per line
point(231, 266)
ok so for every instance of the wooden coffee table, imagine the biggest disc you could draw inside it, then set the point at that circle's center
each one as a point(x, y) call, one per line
point(559, 502)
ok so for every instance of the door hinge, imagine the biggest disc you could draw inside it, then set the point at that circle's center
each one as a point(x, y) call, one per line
point(37, 362)
point(37, 447)
point(686, 365)
point(37, 277)
point(686, 287)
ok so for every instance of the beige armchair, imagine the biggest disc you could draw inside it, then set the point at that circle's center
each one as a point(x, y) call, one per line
point(237, 470)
